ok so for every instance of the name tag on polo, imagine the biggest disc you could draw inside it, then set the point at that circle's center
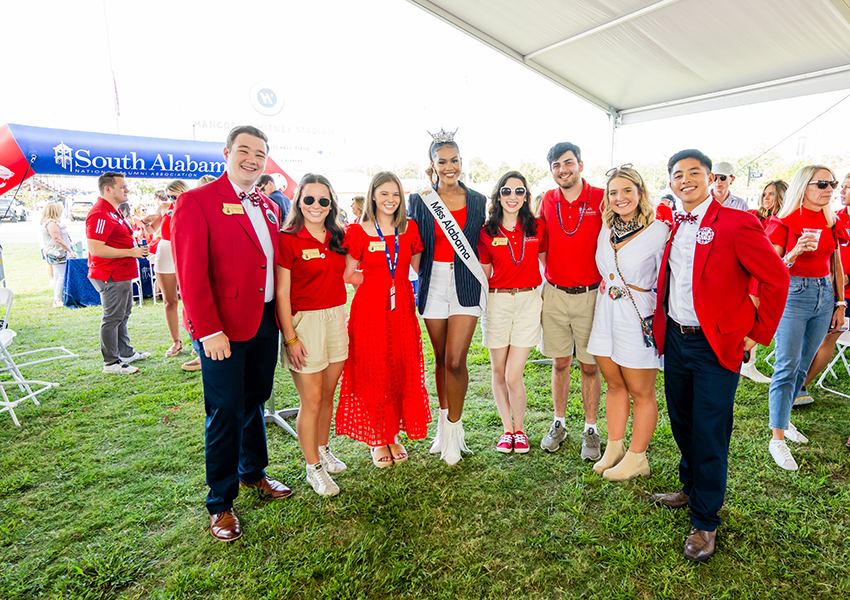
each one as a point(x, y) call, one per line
point(377, 246)
point(232, 209)
point(500, 241)
point(310, 253)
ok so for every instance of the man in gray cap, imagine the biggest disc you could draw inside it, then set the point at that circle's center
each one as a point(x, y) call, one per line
point(724, 176)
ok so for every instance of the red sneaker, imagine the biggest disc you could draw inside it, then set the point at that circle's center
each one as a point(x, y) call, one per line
point(521, 445)
point(506, 443)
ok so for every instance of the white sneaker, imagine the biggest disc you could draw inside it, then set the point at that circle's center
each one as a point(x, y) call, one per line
point(321, 481)
point(782, 455)
point(136, 356)
point(330, 462)
point(437, 445)
point(119, 369)
point(793, 435)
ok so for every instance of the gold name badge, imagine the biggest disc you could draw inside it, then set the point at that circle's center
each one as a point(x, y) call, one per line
point(232, 209)
point(310, 253)
point(500, 241)
point(377, 246)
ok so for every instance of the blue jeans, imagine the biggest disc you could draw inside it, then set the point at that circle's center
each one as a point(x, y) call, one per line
point(804, 325)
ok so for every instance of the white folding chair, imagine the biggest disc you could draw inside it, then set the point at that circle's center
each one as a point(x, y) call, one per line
point(136, 284)
point(842, 344)
point(13, 368)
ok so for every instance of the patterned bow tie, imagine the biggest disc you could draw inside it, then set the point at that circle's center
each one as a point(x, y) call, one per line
point(254, 197)
point(685, 216)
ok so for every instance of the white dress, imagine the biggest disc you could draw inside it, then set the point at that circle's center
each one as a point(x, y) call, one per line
point(616, 330)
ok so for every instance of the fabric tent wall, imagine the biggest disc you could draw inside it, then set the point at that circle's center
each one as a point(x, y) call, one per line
point(26, 151)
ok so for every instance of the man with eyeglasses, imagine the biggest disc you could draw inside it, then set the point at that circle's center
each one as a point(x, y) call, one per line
point(225, 243)
point(573, 216)
point(724, 177)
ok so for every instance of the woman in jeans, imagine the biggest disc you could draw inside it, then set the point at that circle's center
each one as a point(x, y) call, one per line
point(805, 233)
point(57, 248)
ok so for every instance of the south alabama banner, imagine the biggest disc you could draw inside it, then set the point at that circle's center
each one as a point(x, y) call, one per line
point(26, 151)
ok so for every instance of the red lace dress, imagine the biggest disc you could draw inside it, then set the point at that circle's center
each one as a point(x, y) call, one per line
point(383, 383)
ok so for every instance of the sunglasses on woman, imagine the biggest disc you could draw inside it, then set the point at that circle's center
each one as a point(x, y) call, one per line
point(323, 202)
point(823, 183)
point(610, 172)
point(506, 191)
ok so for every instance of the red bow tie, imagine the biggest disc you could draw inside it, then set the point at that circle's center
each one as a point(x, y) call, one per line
point(254, 197)
point(685, 216)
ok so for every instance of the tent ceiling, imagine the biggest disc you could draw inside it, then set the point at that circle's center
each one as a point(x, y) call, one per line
point(648, 59)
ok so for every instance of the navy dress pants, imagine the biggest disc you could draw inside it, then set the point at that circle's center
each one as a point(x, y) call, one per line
point(235, 392)
point(700, 397)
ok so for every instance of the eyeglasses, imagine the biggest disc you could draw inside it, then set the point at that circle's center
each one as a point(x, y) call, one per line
point(620, 168)
point(506, 191)
point(720, 177)
point(822, 183)
point(323, 202)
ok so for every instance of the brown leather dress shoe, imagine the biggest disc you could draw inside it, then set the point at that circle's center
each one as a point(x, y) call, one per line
point(699, 546)
point(224, 526)
point(269, 487)
point(672, 500)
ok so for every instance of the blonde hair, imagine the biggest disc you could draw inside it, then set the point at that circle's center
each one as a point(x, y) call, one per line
point(370, 207)
point(52, 211)
point(206, 179)
point(797, 191)
point(177, 186)
point(645, 209)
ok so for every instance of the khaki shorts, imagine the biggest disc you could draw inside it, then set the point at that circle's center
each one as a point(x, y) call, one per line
point(512, 320)
point(567, 320)
point(324, 335)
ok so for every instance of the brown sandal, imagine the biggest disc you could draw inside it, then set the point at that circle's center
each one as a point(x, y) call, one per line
point(175, 350)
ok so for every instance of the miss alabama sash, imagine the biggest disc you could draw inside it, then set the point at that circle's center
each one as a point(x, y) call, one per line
point(460, 244)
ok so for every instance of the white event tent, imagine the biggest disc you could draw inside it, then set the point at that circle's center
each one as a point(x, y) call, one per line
point(640, 60)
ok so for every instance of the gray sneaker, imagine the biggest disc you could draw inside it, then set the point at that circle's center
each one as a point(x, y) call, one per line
point(590, 445)
point(552, 441)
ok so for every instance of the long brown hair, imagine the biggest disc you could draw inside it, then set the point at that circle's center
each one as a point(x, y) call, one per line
point(525, 217)
point(779, 189)
point(295, 221)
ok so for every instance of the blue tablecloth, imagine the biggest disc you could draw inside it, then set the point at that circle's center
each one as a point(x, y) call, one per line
point(80, 292)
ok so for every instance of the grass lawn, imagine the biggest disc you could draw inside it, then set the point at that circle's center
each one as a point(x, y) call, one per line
point(102, 495)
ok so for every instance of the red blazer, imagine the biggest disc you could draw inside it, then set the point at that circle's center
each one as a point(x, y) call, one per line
point(220, 264)
point(738, 250)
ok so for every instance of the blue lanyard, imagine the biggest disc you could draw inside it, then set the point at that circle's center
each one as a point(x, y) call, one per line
point(392, 265)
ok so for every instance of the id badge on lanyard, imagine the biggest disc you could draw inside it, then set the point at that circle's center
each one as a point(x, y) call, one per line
point(392, 264)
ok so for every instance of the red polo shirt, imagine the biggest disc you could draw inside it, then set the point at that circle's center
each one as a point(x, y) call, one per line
point(506, 273)
point(316, 271)
point(572, 237)
point(105, 223)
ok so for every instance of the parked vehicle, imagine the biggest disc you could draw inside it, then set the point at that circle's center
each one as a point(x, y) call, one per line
point(81, 207)
point(12, 210)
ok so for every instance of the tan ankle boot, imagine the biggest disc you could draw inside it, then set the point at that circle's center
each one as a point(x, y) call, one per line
point(632, 465)
point(615, 450)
